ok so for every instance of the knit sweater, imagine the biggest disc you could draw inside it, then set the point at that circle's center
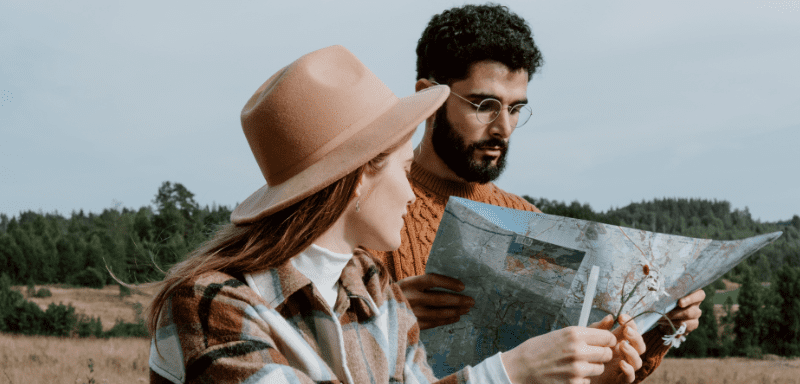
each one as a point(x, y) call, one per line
point(422, 222)
point(424, 215)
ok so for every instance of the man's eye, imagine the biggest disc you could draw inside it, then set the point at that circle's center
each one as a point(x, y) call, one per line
point(485, 107)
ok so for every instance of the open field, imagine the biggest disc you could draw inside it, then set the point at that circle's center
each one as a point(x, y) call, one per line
point(727, 371)
point(37, 359)
point(105, 303)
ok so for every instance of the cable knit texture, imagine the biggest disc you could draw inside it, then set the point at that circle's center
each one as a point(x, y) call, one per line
point(424, 216)
point(423, 219)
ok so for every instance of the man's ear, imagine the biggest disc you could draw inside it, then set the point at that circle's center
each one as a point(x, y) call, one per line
point(422, 84)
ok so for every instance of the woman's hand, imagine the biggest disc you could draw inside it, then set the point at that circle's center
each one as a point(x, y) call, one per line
point(630, 345)
point(570, 355)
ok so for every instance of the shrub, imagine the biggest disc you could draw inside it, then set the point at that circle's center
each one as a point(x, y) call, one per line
point(59, 320)
point(124, 329)
point(43, 292)
point(26, 318)
point(89, 277)
point(89, 326)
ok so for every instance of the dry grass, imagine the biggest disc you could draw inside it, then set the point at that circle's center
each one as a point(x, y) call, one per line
point(727, 371)
point(39, 359)
point(105, 303)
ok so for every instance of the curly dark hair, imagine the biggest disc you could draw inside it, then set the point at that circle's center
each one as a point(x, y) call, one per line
point(461, 36)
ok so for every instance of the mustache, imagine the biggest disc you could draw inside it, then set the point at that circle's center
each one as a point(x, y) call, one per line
point(493, 142)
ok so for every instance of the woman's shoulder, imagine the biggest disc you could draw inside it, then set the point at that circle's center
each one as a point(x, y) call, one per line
point(211, 286)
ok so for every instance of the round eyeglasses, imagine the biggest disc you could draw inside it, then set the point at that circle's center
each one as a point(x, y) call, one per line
point(489, 108)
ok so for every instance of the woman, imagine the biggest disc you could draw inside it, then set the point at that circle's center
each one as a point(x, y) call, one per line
point(286, 293)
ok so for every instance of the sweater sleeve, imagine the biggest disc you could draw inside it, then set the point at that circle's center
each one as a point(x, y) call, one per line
point(652, 357)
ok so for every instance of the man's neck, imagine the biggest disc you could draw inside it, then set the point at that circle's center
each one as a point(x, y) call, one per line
point(426, 158)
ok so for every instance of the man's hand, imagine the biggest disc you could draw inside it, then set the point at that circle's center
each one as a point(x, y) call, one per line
point(433, 308)
point(572, 354)
point(686, 312)
point(626, 360)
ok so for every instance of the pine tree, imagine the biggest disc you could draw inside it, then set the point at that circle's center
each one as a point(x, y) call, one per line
point(787, 288)
point(748, 324)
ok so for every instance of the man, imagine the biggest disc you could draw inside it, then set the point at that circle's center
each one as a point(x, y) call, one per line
point(486, 54)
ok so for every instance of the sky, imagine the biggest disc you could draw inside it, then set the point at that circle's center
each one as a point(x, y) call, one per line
point(102, 101)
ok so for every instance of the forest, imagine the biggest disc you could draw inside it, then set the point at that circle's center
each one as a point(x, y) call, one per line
point(137, 245)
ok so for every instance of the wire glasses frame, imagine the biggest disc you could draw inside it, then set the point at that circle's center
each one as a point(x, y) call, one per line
point(489, 108)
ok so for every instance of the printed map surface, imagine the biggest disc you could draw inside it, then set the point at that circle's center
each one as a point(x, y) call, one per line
point(527, 273)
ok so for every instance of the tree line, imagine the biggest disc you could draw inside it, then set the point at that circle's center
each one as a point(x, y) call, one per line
point(137, 244)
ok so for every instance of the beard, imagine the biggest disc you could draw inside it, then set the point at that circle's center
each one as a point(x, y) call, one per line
point(460, 157)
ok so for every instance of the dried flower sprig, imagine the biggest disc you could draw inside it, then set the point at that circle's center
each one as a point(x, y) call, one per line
point(654, 284)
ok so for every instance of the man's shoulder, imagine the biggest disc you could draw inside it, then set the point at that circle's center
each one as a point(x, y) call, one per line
point(507, 199)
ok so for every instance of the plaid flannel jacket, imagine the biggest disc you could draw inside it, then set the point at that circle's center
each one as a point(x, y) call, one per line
point(217, 329)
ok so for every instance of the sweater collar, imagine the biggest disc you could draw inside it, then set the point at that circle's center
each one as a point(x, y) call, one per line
point(439, 186)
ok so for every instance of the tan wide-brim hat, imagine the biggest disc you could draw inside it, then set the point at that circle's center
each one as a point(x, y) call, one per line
point(318, 119)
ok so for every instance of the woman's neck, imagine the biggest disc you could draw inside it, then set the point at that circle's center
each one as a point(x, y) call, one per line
point(336, 238)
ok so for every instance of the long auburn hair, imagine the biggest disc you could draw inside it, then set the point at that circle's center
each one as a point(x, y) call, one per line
point(268, 242)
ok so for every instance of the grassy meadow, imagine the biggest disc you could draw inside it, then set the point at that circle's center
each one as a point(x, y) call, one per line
point(39, 359)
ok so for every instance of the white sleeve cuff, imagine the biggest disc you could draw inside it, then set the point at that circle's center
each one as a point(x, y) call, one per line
point(491, 371)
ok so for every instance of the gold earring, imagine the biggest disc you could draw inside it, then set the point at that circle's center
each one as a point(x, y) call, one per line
point(358, 209)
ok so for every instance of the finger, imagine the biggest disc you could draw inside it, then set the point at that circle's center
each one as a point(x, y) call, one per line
point(441, 299)
point(631, 355)
point(428, 281)
point(587, 369)
point(691, 325)
point(606, 323)
point(594, 336)
point(430, 313)
point(628, 373)
point(593, 354)
point(691, 312)
point(442, 281)
point(693, 298)
point(627, 321)
point(427, 324)
point(636, 341)
point(579, 380)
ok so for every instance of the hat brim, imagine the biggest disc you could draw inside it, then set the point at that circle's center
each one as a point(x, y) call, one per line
point(382, 133)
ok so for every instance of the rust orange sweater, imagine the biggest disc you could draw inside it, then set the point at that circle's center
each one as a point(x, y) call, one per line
point(423, 220)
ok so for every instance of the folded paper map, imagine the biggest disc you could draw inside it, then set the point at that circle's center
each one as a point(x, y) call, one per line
point(528, 274)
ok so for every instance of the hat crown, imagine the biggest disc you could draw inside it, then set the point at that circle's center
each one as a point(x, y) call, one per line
point(287, 135)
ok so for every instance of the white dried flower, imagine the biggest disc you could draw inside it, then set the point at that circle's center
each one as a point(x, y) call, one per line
point(653, 283)
point(676, 338)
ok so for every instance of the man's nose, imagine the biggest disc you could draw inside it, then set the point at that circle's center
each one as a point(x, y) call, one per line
point(502, 126)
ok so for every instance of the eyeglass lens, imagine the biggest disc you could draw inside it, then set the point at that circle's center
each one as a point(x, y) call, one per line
point(489, 109)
